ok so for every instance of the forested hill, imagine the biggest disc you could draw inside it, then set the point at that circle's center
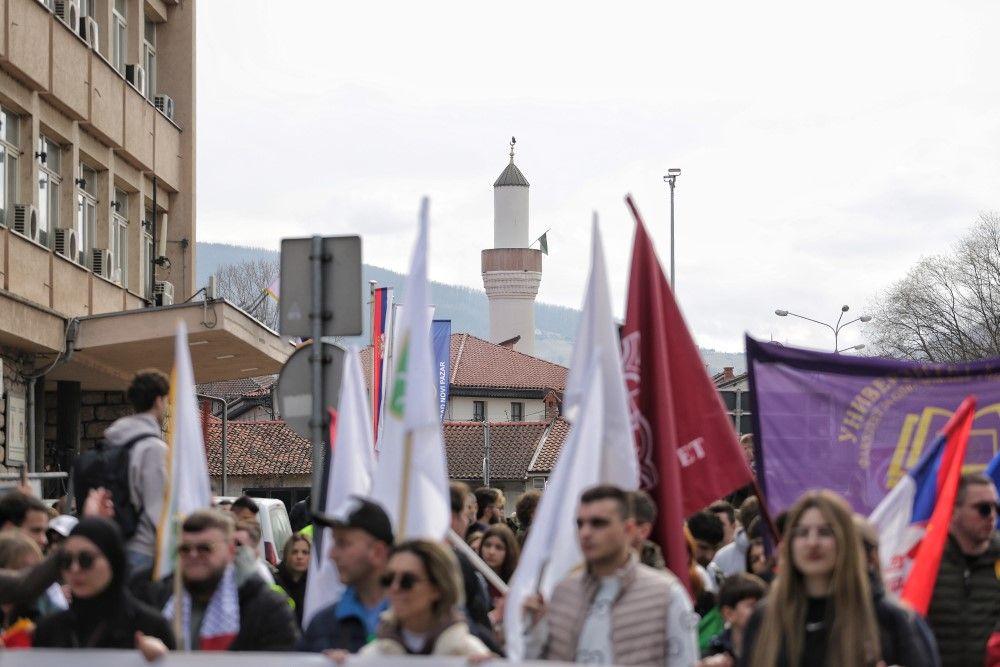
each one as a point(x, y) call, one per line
point(467, 308)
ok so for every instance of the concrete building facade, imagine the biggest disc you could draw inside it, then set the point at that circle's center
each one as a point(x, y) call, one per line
point(97, 220)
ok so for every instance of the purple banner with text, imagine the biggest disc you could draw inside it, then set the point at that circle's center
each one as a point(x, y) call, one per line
point(856, 424)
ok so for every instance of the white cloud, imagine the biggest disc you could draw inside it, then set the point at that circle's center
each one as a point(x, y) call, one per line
point(824, 149)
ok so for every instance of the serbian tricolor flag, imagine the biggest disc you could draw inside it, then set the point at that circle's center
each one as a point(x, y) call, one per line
point(688, 452)
point(912, 520)
point(381, 311)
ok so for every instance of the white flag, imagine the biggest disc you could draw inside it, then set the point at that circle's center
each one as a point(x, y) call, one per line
point(599, 450)
point(351, 467)
point(411, 478)
point(187, 488)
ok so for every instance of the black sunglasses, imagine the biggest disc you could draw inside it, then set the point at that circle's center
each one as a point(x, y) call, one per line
point(985, 508)
point(85, 559)
point(596, 522)
point(407, 580)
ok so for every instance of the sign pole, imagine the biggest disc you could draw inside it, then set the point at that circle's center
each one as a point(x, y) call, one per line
point(404, 496)
point(317, 258)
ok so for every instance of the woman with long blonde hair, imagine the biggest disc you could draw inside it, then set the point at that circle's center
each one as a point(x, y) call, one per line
point(819, 610)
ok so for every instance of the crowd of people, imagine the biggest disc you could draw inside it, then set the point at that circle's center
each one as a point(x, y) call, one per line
point(806, 590)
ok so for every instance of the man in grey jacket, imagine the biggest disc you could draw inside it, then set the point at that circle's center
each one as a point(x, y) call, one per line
point(147, 464)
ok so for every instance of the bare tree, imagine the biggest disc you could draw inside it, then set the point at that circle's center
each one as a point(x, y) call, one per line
point(947, 308)
point(244, 283)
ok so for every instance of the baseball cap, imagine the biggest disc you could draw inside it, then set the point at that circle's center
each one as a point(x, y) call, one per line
point(360, 513)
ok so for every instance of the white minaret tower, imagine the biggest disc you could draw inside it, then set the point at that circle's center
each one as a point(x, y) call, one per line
point(511, 270)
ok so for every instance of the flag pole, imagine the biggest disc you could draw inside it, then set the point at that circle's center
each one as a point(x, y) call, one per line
point(372, 284)
point(404, 495)
point(178, 620)
point(477, 562)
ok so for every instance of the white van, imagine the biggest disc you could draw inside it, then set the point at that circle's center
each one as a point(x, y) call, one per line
point(275, 528)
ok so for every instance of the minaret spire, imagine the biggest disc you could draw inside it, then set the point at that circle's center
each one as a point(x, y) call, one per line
point(512, 270)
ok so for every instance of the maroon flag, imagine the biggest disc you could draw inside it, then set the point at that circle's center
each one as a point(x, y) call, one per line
point(688, 452)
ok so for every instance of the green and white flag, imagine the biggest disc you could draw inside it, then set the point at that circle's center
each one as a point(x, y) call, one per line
point(411, 478)
point(543, 243)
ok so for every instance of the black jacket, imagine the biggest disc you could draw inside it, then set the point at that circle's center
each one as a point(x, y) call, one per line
point(965, 607)
point(296, 590)
point(898, 636)
point(266, 620)
point(326, 631)
point(61, 630)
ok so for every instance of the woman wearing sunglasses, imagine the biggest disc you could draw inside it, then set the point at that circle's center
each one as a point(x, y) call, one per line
point(424, 591)
point(102, 614)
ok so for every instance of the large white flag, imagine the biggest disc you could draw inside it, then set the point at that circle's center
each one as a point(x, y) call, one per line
point(352, 464)
point(599, 450)
point(411, 478)
point(187, 488)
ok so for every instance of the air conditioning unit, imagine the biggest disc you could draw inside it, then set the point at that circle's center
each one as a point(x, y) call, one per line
point(68, 11)
point(101, 261)
point(66, 243)
point(90, 32)
point(26, 220)
point(165, 104)
point(163, 293)
point(136, 75)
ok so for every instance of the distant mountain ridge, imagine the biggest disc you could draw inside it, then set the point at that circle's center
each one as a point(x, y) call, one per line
point(467, 308)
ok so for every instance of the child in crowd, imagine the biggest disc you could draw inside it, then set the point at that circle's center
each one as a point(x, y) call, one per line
point(738, 596)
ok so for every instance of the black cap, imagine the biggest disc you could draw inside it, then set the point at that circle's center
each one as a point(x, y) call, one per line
point(359, 513)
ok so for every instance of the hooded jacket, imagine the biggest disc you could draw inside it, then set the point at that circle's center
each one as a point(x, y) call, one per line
point(147, 474)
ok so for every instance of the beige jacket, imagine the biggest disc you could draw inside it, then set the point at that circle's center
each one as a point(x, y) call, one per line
point(451, 638)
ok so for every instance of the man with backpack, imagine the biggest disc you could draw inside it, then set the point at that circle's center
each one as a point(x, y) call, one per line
point(131, 463)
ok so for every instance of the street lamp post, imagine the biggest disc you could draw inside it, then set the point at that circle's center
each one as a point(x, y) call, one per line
point(835, 328)
point(671, 179)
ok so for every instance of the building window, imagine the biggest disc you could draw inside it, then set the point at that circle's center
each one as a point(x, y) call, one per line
point(149, 57)
point(146, 254)
point(8, 165)
point(119, 238)
point(86, 214)
point(49, 155)
point(737, 404)
point(538, 483)
point(119, 45)
point(478, 411)
point(87, 8)
point(517, 412)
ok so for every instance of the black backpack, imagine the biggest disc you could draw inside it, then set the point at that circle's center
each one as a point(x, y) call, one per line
point(107, 466)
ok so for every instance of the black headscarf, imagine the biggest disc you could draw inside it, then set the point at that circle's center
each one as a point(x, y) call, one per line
point(100, 612)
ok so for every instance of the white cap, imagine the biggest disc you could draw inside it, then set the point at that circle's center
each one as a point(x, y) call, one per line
point(63, 524)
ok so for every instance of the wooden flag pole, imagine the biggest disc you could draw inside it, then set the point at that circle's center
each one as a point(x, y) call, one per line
point(178, 589)
point(404, 495)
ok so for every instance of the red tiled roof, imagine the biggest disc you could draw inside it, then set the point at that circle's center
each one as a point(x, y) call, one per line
point(512, 446)
point(231, 390)
point(548, 453)
point(258, 448)
point(479, 363)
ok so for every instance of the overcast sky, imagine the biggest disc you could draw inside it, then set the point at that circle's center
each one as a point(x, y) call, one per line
point(823, 150)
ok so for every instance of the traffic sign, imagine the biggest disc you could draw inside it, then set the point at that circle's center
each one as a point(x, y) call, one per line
point(340, 287)
point(295, 386)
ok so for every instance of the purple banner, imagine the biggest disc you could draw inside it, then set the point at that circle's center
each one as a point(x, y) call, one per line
point(855, 424)
point(441, 341)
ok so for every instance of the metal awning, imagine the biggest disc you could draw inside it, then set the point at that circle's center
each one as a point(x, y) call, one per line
point(225, 344)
